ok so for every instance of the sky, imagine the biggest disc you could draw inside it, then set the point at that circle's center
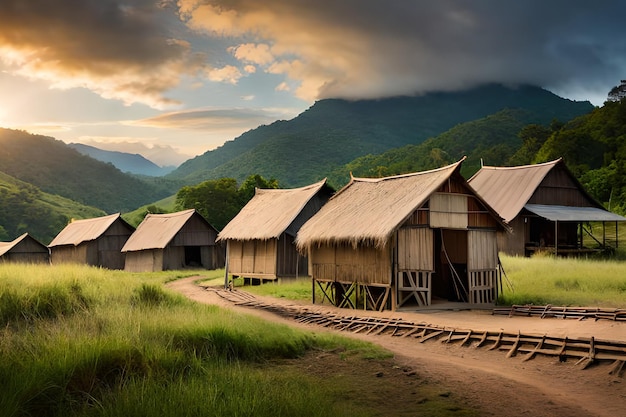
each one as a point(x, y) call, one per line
point(171, 79)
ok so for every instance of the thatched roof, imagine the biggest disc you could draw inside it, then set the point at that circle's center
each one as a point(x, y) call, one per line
point(156, 231)
point(84, 230)
point(269, 213)
point(7, 246)
point(508, 189)
point(371, 209)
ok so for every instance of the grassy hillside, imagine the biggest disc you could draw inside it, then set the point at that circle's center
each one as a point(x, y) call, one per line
point(56, 168)
point(25, 208)
point(333, 133)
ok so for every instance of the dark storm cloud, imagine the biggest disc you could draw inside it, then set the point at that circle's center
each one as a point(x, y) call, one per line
point(370, 48)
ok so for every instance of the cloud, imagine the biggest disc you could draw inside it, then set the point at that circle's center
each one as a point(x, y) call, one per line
point(213, 120)
point(375, 48)
point(228, 74)
point(121, 51)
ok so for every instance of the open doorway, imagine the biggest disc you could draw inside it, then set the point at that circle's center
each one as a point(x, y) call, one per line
point(193, 257)
point(450, 280)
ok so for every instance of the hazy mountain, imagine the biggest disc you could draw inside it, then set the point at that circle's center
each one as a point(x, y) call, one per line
point(125, 162)
point(332, 133)
point(55, 168)
point(161, 155)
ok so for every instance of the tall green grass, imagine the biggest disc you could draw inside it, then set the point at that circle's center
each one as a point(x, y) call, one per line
point(82, 341)
point(542, 280)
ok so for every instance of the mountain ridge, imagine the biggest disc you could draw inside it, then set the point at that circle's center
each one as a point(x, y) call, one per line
point(334, 132)
point(132, 163)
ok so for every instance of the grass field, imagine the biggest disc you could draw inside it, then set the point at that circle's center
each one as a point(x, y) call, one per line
point(82, 341)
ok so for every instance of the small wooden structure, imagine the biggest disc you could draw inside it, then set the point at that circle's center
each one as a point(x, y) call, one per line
point(545, 206)
point(24, 249)
point(406, 241)
point(260, 239)
point(173, 241)
point(95, 241)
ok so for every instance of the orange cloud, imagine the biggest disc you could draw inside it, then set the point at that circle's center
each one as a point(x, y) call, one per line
point(119, 52)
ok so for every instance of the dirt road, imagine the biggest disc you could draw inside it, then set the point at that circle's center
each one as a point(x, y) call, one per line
point(486, 380)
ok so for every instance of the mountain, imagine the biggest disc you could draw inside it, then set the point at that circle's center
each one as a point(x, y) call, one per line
point(493, 140)
point(125, 162)
point(25, 208)
point(55, 168)
point(332, 132)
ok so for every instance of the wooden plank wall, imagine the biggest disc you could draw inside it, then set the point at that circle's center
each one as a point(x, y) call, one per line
point(252, 257)
point(448, 211)
point(342, 263)
point(415, 249)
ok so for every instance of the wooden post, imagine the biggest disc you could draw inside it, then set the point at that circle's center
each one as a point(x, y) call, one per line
point(556, 238)
point(226, 266)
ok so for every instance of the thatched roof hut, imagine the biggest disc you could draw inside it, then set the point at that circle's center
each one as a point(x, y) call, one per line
point(96, 241)
point(540, 202)
point(24, 249)
point(260, 239)
point(404, 240)
point(173, 241)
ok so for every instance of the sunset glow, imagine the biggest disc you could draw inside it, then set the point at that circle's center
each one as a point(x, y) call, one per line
point(104, 68)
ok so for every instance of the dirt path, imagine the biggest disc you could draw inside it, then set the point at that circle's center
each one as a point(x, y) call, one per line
point(486, 380)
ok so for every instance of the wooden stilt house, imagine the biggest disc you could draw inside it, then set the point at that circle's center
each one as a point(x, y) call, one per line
point(173, 241)
point(24, 249)
point(260, 239)
point(545, 207)
point(95, 241)
point(407, 241)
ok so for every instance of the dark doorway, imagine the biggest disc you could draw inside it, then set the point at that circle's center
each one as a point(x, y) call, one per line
point(193, 258)
point(450, 280)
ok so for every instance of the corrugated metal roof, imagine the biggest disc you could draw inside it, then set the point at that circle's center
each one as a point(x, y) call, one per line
point(157, 230)
point(269, 213)
point(371, 209)
point(508, 189)
point(84, 230)
point(573, 214)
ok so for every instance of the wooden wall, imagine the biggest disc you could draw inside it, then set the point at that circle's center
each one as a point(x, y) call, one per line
point(252, 258)
point(415, 249)
point(149, 260)
point(195, 233)
point(559, 188)
point(343, 263)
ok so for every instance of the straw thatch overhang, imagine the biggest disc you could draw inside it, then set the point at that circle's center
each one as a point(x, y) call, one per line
point(270, 213)
point(367, 211)
point(85, 230)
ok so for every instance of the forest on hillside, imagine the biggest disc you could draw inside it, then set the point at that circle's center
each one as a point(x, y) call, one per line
point(593, 146)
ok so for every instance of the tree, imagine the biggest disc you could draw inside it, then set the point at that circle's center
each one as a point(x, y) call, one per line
point(618, 92)
point(216, 200)
point(246, 190)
